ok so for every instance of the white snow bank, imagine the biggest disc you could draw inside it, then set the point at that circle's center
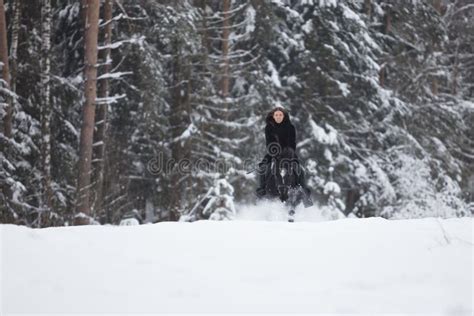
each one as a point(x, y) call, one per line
point(366, 266)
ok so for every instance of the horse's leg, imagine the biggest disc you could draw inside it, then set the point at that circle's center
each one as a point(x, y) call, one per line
point(280, 180)
point(290, 190)
point(303, 187)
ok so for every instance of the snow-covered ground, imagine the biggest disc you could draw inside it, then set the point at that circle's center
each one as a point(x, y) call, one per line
point(370, 266)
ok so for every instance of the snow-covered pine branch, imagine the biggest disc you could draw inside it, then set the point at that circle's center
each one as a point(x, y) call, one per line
point(115, 75)
point(133, 40)
point(110, 99)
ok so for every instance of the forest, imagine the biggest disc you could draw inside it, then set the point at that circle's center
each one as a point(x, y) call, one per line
point(156, 108)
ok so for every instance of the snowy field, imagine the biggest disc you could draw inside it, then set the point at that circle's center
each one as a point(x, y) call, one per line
point(258, 263)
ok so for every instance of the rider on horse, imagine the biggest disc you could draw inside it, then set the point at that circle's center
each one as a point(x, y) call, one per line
point(280, 136)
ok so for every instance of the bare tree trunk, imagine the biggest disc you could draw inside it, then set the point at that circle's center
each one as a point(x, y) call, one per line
point(14, 43)
point(7, 120)
point(87, 129)
point(454, 76)
point(434, 86)
point(46, 104)
point(368, 8)
point(387, 21)
point(225, 60)
point(101, 122)
point(225, 49)
point(382, 76)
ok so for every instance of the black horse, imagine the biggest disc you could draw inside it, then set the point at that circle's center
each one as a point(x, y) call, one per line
point(284, 179)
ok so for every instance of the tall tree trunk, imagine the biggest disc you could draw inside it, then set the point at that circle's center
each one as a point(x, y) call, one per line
point(7, 120)
point(46, 104)
point(225, 49)
point(14, 43)
point(87, 129)
point(176, 121)
point(179, 120)
point(225, 60)
point(101, 122)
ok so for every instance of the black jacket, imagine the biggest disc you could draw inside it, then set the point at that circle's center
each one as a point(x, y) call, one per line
point(283, 133)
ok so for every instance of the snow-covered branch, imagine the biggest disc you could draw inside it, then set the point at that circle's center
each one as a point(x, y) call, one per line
point(114, 75)
point(110, 100)
point(133, 40)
